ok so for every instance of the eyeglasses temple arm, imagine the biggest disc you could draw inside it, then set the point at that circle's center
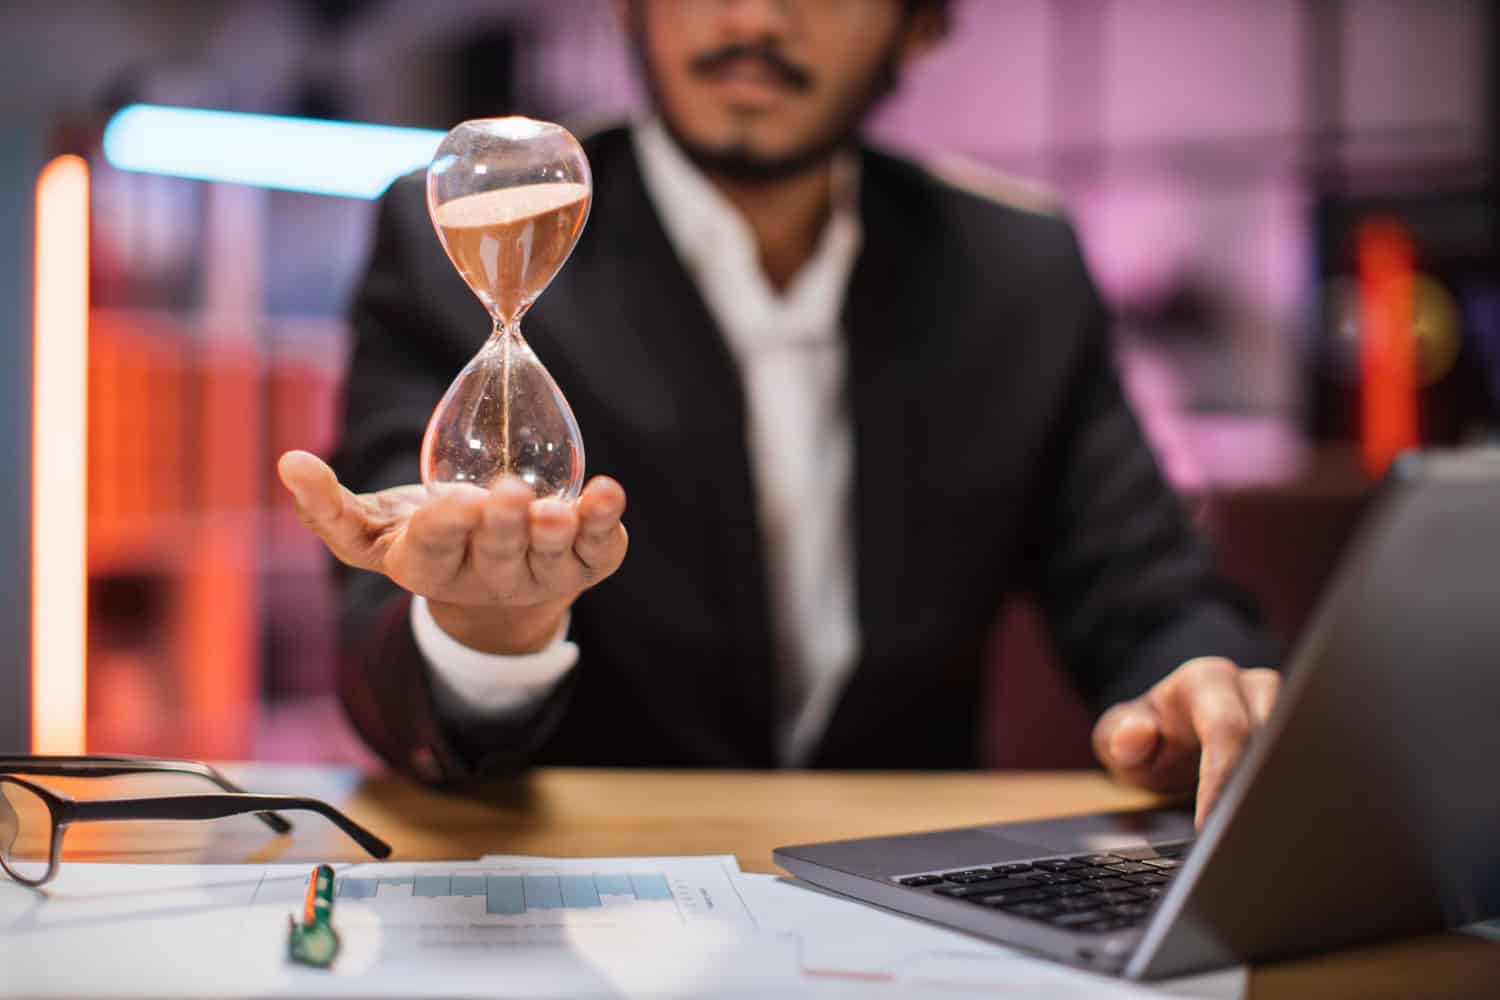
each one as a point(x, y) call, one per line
point(201, 807)
point(112, 767)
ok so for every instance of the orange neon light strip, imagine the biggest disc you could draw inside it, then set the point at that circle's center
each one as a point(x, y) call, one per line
point(59, 570)
point(1387, 347)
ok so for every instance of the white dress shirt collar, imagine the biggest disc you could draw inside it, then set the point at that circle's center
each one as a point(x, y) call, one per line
point(718, 247)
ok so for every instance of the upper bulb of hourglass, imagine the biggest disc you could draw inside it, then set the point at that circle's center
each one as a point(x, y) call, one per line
point(508, 198)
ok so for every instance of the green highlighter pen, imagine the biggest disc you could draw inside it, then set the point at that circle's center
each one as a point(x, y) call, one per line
point(314, 942)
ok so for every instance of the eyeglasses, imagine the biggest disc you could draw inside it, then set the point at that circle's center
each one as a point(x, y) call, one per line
point(33, 819)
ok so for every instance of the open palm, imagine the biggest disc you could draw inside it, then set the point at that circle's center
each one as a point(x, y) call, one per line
point(498, 549)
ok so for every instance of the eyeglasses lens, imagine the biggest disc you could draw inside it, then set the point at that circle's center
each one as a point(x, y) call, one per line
point(25, 831)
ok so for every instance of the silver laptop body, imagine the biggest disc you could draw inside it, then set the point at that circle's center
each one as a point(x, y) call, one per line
point(1368, 806)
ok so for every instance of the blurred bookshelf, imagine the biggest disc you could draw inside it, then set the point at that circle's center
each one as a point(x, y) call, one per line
point(198, 565)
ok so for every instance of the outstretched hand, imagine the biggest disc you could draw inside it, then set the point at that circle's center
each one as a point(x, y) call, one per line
point(1194, 724)
point(499, 568)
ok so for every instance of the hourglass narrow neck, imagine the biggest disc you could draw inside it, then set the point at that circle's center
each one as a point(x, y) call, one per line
point(502, 331)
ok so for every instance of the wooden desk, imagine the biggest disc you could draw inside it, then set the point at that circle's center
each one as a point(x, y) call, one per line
point(605, 812)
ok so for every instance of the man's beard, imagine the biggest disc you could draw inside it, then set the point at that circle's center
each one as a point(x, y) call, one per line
point(738, 162)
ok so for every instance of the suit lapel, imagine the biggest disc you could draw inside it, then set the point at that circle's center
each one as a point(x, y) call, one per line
point(888, 330)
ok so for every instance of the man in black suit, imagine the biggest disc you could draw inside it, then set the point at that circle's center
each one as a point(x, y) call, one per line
point(855, 404)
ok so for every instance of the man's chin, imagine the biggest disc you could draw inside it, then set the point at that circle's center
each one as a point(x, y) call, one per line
point(743, 163)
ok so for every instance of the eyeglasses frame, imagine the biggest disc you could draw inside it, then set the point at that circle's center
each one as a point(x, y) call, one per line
point(116, 765)
point(65, 810)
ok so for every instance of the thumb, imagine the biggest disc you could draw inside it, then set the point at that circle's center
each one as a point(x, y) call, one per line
point(312, 484)
point(1127, 738)
point(322, 507)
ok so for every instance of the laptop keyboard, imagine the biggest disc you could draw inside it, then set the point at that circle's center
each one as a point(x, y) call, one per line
point(1086, 892)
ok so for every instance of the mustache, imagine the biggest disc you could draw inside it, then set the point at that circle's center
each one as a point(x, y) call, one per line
point(768, 55)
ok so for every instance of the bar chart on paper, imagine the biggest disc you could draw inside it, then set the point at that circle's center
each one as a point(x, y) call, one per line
point(477, 895)
point(514, 895)
point(517, 926)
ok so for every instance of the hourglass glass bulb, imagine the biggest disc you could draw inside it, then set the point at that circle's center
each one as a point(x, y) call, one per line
point(508, 198)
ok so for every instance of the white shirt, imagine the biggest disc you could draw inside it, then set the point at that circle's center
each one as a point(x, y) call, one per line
point(791, 356)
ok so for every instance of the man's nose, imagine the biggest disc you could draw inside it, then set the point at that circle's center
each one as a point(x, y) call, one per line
point(757, 20)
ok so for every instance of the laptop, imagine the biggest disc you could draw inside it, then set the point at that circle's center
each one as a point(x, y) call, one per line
point(1367, 807)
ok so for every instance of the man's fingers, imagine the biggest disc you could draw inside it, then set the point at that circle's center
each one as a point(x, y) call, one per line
point(1143, 743)
point(1200, 716)
point(1221, 719)
point(1261, 688)
point(325, 507)
point(554, 524)
point(435, 541)
point(601, 504)
point(601, 540)
point(503, 536)
point(1127, 738)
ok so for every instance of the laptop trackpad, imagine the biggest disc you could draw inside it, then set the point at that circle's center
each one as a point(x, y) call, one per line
point(879, 857)
point(1101, 832)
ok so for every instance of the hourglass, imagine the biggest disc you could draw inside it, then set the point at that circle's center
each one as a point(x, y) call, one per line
point(508, 197)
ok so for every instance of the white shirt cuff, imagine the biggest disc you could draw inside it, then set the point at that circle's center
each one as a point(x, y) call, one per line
point(472, 684)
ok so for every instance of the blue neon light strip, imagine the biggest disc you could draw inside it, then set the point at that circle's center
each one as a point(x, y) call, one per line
point(343, 159)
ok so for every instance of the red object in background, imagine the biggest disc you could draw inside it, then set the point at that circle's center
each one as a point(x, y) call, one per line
point(1387, 347)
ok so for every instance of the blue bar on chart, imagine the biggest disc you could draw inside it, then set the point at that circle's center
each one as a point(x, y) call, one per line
point(358, 888)
point(648, 887)
point(543, 892)
point(429, 886)
point(579, 891)
point(505, 895)
point(468, 885)
point(613, 885)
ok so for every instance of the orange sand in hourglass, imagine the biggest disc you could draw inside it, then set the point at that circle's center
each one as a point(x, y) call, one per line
point(508, 243)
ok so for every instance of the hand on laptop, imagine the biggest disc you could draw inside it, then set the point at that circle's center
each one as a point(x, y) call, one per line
point(1193, 724)
point(499, 568)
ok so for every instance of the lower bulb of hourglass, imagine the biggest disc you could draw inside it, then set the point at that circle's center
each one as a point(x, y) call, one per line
point(504, 414)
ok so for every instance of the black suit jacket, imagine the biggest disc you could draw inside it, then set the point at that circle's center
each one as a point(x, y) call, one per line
point(994, 452)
